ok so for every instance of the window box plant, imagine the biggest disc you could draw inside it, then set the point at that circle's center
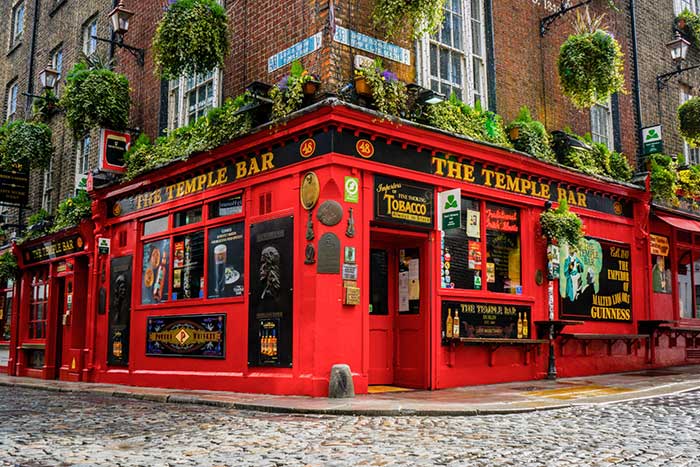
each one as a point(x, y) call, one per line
point(688, 24)
point(388, 93)
point(530, 136)
point(288, 95)
point(191, 38)
point(590, 63)
point(420, 16)
point(689, 121)
point(561, 225)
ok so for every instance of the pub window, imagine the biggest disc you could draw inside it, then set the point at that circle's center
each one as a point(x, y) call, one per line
point(685, 284)
point(468, 261)
point(196, 263)
point(6, 298)
point(226, 207)
point(38, 303)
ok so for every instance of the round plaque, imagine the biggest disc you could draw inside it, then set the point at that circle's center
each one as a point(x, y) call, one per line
point(330, 213)
point(310, 189)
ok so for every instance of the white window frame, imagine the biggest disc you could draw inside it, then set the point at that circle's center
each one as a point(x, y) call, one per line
point(179, 114)
point(47, 192)
point(680, 5)
point(17, 28)
point(472, 52)
point(57, 64)
point(604, 134)
point(89, 42)
point(12, 95)
point(691, 155)
point(82, 160)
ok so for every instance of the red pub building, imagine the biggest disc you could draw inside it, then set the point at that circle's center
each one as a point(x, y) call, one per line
point(340, 239)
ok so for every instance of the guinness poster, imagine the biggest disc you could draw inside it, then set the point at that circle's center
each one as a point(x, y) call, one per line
point(270, 302)
point(225, 261)
point(595, 281)
point(403, 202)
point(119, 310)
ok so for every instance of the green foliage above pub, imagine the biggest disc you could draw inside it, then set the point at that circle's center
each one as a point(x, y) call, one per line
point(8, 266)
point(688, 23)
point(95, 97)
point(219, 126)
point(457, 117)
point(25, 144)
point(530, 136)
point(191, 38)
point(590, 64)
point(73, 210)
point(388, 91)
point(288, 95)
point(417, 17)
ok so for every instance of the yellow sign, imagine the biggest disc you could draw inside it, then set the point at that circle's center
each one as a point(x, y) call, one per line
point(658, 245)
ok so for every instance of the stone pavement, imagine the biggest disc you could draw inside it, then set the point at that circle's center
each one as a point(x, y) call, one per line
point(505, 398)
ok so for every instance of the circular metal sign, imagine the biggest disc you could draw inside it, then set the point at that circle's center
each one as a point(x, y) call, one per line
point(310, 189)
point(330, 212)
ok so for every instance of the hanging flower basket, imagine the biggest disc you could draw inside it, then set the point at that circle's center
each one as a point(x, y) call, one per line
point(561, 225)
point(27, 144)
point(420, 16)
point(689, 121)
point(590, 64)
point(191, 38)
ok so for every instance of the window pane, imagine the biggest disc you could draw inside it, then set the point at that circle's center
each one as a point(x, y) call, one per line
point(457, 31)
point(461, 263)
point(188, 266)
point(226, 207)
point(225, 256)
point(155, 225)
point(379, 282)
point(433, 60)
point(685, 294)
point(155, 274)
point(189, 216)
point(444, 64)
point(502, 249)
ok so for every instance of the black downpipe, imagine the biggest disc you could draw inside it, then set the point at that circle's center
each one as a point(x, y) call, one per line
point(31, 60)
point(635, 84)
point(490, 55)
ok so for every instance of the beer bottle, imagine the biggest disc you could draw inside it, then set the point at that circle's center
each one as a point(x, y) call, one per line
point(525, 326)
point(448, 324)
point(455, 324)
point(520, 327)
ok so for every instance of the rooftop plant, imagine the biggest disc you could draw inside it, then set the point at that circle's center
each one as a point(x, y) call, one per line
point(288, 95)
point(590, 63)
point(530, 136)
point(192, 37)
point(388, 92)
point(73, 210)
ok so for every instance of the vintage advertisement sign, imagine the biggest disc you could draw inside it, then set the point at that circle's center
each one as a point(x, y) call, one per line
point(14, 187)
point(403, 202)
point(486, 320)
point(202, 336)
point(155, 272)
point(120, 273)
point(53, 249)
point(113, 147)
point(270, 298)
point(225, 253)
point(658, 244)
point(595, 281)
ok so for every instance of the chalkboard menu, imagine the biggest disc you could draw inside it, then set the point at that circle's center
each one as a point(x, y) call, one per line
point(486, 320)
point(378, 282)
point(595, 281)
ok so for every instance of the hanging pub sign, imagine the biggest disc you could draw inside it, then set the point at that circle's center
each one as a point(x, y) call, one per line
point(14, 187)
point(201, 336)
point(113, 147)
point(595, 281)
point(403, 202)
point(54, 248)
point(270, 297)
point(485, 320)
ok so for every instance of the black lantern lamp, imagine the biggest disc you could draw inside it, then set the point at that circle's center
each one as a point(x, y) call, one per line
point(678, 48)
point(119, 19)
point(562, 142)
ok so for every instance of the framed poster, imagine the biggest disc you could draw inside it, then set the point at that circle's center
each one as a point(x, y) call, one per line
point(595, 281)
point(225, 253)
point(270, 303)
point(201, 336)
point(119, 315)
point(155, 272)
point(487, 320)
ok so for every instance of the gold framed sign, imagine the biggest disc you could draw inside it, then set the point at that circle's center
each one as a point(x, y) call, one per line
point(310, 190)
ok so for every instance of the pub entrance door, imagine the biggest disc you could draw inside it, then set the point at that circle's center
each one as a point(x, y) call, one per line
point(399, 309)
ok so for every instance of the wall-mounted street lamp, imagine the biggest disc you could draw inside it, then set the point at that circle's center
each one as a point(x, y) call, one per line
point(119, 18)
point(678, 48)
point(47, 77)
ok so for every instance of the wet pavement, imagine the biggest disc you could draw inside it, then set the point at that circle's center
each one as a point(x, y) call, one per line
point(48, 428)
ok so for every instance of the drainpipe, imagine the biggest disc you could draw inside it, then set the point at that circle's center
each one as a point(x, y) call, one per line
point(635, 85)
point(30, 62)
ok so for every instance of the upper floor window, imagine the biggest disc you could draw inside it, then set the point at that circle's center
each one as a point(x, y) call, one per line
point(692, 155)
point(192, 97)
point(57, 64)
point(89, 33)
point(454, 59)
point(12, 92)
point(47, 193)
point(601, 123)
point(17, 23)
point(82, 163)
point(691, 5)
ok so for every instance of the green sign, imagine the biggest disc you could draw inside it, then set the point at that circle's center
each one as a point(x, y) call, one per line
point(651, 140)
point(450, 209)
point(352, 190)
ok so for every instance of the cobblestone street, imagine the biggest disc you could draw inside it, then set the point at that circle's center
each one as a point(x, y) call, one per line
point(42, 428)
